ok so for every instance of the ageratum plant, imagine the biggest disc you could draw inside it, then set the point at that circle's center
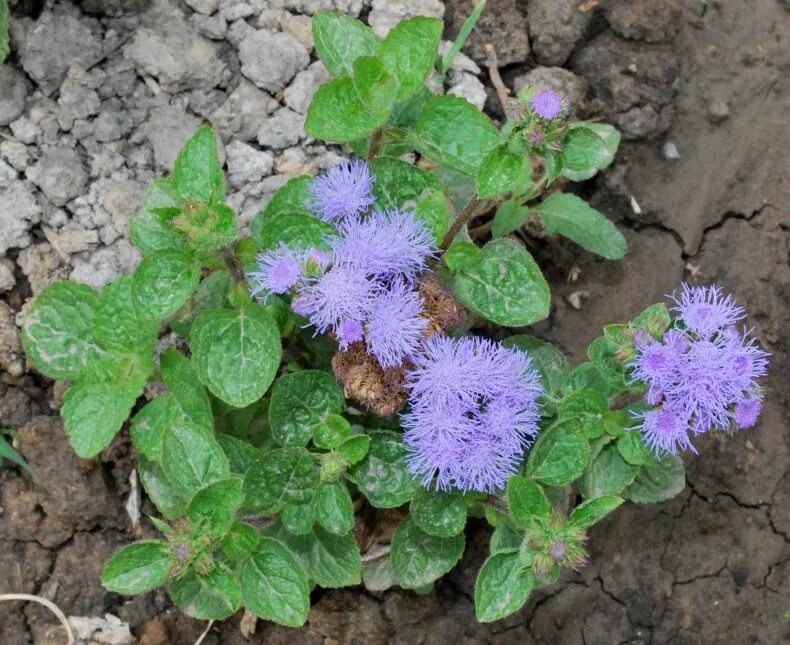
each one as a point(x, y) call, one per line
point(327, 386)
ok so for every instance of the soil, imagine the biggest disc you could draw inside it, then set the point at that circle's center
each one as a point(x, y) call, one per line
point(710, 566)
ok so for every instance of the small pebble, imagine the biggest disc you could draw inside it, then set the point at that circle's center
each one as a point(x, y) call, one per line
point(670, 151)
point(718, 111)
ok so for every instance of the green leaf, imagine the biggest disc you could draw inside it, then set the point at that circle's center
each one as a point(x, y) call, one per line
point(241, 541)
point(632, 448)
point(162, 282)
point(453, 132)
point(293, 197)
point(57, 333)
point(340, 40)
point(216, 505)
point(297, 231)
point(188, 392)
point(298, 518)
point(583, 149)
point(377, 574)
point(656, 319)
point(374, 85)
point(593, 511)
point(585, 376)
point(299, 403)
point(7, 452)
point(355, 448)
point(139, 567)
point(94, 412)
point(211, 294)
point(418, 558)
point(149, 234)
point(549, 361)
point(437, 513)
point(241, 455)
point(527, 501)
point(213, 596)
point(332, 432)
point(658, 481)
point(150, 424)
point(274, 586)
point(161, 200)
point(505, 538)
point(504, 285)
point(382, 476)
point(330, 561)
point(116, 326)
point(192, 458)
point(603, 352)
point(601, 157)
point(198, 172)
point(509, 217)
point(502, 587)
point(168, 499)
point(338, 114)
point(236, 353)
point(5, 47)
point(569, 215)
point(500, 170)
point(333, 508)
point(581, 402)
point(283, 476)
point(560, 454)
point(607, 475)
point(409, 52)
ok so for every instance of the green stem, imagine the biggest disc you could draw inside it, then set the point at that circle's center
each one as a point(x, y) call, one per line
point(461, 220)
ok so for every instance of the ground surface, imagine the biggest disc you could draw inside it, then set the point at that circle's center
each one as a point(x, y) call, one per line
point(95, 102)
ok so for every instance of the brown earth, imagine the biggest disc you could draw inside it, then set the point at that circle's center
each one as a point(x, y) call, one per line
point(711, 566)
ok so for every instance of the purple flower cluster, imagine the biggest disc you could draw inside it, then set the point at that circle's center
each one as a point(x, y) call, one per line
point(365, 289)
point(472, 413)
point(547, 105)
point(701, 375)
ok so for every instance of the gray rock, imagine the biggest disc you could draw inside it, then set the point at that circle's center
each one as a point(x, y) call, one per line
point(120, 200)
point(271, 60)
point(555, 26)
point(503, 24)
point(385, 14)
point(12, 98)
point(113, 7)
point(299, 93)
point(238, 31)
point(206, 7)
point(349, 7)
point(300, 27)
point(168, 127)
point(59, 174)
point(12, 358)
point(236, 9)
point(468, 87)
point(244, 111)
point(101, 267)
point(670, 151)
point(53, 43)
point(213, 27)
point(42, 265)
point(24, 130)
point(282, 129)
point(556, 79)
point(7, 279)
point(650, 20)
point(644, 122)
point(246, 164)
point(718, 111)
point(107, 127)
point(461, 62)
point(15, 153)
point(176, 55)
point(76, 99)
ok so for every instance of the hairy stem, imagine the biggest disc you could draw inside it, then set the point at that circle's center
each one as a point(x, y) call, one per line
point(233, 266)
point(461, 220)
point(376, 141)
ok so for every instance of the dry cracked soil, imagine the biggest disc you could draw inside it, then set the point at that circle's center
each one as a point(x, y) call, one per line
point(97, 97)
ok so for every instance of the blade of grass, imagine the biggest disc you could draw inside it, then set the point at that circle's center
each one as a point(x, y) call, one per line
point(460, 40)
point(7, 452)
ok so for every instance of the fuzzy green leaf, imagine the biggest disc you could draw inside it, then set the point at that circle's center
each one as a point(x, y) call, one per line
point(198, 172)
point(170, 501)
point(162, 282)
point(453, 132)
point(570, 216)
point(57, 333)
point(593, 511)
point(633, 449)
point(374, 84)
point(216, 505)
point(409, 52)
point(438, 513)
point(560, 454)
point(340, 40)
point(300, 402)
point(283, 476)
point(504, 285)
point(549, 361)
point(139, 567)
point(526, 500)
point(607, 475)
point(333, 508)
point(236, 353)
point(211, 294)
point(5, 47)
point(509, 217)
point(188, 392)
point(297, 231)
point(116, 326)
point(338, 114)
point(418, 558)
point(658, 481)
point(382, 476)
point(502, 587)
point(241, 541)
point(150, 234)
point(500, 170)
point(192, 458)
point(213, 596)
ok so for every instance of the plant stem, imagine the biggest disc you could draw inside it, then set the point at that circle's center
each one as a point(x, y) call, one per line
point(496, 80)
point(233, 266)
point(461, 220)
point(376, 141)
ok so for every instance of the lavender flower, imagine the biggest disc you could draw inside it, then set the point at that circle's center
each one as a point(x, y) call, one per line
point(385, 244)
point(349, 331)
point(341, 294)
point(345, 190)
point(280, 270)
point(702, 373)
point(473, 412)
point(706, 310)
point(395, 325)
point(547, 105)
